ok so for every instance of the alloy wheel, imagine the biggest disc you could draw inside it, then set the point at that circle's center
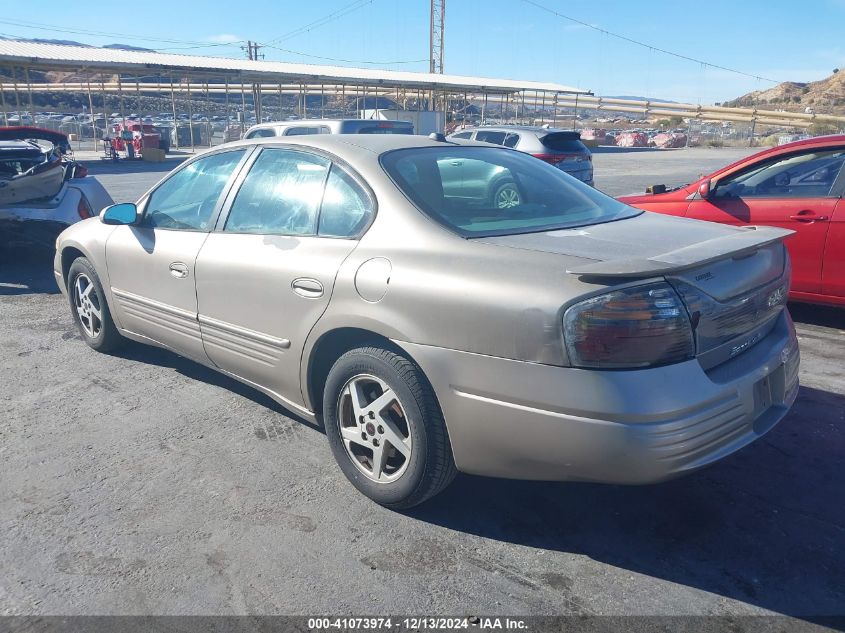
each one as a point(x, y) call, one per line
point(374, 428)
point(88, 306)
point(507, 197)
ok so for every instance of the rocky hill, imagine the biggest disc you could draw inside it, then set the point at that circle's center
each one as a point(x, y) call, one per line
point(824, 96)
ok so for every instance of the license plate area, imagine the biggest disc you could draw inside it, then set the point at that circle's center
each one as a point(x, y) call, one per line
point(762, 395)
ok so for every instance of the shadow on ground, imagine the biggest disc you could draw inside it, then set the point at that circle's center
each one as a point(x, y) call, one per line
point(766, 526)
point(613, 149)
point(26, 271)
point(825, 316)
point(195, 371)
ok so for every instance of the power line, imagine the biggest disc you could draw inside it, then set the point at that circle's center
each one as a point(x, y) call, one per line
point(645, 45)
point(339, 13)
point(347, 61)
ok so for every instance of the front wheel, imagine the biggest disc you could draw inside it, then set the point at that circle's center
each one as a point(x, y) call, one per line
point(385, 428)
point(89, 308)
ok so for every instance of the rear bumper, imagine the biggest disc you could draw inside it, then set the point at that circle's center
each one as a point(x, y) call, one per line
point(529, 421)
point(41, 233)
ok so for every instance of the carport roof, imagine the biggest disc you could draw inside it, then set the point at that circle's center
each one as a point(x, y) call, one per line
point(57, 56)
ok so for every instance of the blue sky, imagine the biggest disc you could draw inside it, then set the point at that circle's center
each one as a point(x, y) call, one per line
point(497, 38)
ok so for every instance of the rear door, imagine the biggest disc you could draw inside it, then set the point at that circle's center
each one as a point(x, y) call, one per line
point(151, 266)
point(798, 191)
point(266, 274)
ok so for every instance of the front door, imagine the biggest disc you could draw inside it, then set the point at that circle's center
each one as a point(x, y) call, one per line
point(833, 268)
point(797, 192)
point(266, 275)
point(151, 265)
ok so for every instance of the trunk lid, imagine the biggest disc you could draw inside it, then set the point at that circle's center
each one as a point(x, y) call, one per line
point(733, 280)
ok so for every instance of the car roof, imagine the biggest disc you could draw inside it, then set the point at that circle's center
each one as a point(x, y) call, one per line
point(517, 128)
point(343, 144)
point(325, 121)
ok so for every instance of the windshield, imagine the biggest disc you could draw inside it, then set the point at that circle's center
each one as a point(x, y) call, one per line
point(479, 191)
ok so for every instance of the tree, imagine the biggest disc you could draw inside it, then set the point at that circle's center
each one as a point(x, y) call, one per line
point(820, 129)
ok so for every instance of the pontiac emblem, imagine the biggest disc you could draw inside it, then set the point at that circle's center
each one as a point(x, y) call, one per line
point(777, 297)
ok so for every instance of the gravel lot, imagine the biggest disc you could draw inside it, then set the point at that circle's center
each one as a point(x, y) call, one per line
point(142, 483)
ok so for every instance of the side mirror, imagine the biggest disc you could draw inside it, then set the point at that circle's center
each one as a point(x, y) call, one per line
point(704, 190)
point(123, 213)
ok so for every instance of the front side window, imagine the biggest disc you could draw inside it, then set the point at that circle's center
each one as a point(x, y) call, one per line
point(462, 135)
point(280, 195)
point(187, 199)
point(346, 209)
point(806, 175)
point(480, 191)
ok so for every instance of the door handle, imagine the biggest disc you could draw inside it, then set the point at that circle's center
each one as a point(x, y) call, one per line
point(307, 287)
point(179, 270)
point(808, 216)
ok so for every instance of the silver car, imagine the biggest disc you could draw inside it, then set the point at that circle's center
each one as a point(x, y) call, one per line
point(372, 284)
point(561, 148)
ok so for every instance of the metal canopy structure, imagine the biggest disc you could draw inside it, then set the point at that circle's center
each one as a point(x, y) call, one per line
point(43, 56)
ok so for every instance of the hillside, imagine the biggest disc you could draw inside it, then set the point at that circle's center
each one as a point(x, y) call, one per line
point(824, 96)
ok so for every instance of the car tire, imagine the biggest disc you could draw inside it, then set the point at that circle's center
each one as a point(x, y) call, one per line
point(89, 307)
point(506, 196)
point(423, 466)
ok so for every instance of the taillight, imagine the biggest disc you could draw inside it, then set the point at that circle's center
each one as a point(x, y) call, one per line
point(640, 326)
point(554, 159)
point(83, 208)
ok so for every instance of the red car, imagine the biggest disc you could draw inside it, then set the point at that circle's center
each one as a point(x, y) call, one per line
point(797, 186)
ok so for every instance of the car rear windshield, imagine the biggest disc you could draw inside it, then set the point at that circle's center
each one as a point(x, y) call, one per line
point(564, 142)
point(479, 191)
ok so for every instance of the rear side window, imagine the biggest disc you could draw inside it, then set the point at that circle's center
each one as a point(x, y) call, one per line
point(564, 142)
point(511, 140)
point(261, 132)
point(280, 195)
point(346, 208)
point(488, 136)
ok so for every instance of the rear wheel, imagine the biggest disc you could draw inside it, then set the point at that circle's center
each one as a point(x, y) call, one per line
point(385, 428)
point(89, 308)
point(506, 196)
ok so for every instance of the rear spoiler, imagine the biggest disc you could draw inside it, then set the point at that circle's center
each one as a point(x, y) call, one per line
point(741, 243)
point(25, 132)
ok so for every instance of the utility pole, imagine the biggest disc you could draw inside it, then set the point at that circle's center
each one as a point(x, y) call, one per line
point(252, 54)
point(436, 32)
point(437, 27)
